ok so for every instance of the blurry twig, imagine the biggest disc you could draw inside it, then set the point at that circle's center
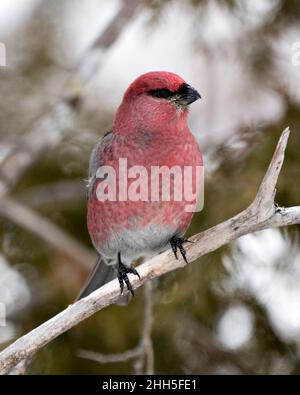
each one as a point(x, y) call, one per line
point(261, 214)
point(56, 193)
point(142, 354)
point(49, 129)
point(47, 231)
point(146, 359)
point(110, 358)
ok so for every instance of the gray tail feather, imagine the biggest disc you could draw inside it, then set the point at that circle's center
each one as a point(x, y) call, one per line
point(101, 275)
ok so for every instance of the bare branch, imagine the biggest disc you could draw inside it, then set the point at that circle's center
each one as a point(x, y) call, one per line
point(265, 197)
point(108, 358)
point(252, 219)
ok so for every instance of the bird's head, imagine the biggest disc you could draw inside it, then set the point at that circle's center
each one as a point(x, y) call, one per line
point(162, 87)
point(156, 98)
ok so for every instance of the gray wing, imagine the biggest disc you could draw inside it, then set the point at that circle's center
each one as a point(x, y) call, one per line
point(95, 159)
point(100, 275)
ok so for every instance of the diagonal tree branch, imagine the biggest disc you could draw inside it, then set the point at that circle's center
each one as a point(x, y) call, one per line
point(261, 214)
point(57, 193)
point(48, 232)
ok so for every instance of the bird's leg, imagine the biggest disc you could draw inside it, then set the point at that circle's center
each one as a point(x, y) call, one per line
point(177, 243)
point(123, 270)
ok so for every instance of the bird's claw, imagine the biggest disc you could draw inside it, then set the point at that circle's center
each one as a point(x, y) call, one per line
point(279, 209)
point(177, 243)
point(123, 277)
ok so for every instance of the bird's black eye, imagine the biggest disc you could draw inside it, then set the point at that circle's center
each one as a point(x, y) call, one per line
point(161, 93)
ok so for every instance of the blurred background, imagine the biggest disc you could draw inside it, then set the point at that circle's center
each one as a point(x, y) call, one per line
point(64, 68)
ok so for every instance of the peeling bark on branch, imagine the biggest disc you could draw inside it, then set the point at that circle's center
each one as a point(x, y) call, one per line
point(261, 214)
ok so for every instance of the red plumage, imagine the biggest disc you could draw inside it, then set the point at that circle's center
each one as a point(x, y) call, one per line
point(150, 129)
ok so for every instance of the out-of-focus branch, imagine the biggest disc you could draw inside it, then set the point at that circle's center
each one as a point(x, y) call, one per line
point(21, 367)
point(261, 214)
point(48, 232)
point(57, 193)
point(110, 358)
point(49, 129)
point(145, 362)
point(142, 354)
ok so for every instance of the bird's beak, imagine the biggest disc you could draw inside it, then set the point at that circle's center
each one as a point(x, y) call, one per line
point(186, 95)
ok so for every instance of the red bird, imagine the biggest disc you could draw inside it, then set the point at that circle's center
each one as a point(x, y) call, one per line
point(149, 131)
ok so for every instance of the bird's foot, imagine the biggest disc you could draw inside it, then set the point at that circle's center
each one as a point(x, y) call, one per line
point(279, 209)
point(123, 270)
point(177, 244)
